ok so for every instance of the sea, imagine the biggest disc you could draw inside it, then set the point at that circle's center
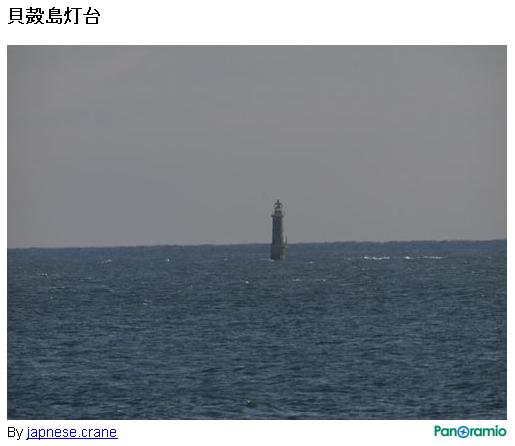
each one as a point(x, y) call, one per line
point(398, 330)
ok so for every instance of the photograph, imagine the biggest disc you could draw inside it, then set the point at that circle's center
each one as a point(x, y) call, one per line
point(239, 232)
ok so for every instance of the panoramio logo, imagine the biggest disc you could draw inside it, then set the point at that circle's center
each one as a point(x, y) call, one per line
point(465, 431)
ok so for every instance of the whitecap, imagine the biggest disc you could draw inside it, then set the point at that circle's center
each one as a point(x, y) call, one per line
point(423, 257)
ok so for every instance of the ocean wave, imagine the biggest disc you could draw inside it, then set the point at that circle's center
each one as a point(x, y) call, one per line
point(423, 257)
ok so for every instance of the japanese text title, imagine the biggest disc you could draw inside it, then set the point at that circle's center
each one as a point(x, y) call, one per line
point(59, 16)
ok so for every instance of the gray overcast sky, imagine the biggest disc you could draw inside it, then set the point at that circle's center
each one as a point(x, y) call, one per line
point(184, 145)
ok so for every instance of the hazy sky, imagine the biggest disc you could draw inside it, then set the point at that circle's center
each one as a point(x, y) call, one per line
point(185, 145)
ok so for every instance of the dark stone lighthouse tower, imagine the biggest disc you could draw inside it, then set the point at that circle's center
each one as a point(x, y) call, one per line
point(278, 249)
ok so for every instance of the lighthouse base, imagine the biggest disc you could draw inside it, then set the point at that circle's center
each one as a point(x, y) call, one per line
point(278, 252)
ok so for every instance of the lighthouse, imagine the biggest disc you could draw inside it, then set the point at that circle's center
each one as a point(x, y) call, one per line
point(278, 248)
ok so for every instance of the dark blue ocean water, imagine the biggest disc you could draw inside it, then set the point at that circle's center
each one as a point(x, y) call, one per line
point(338, 330)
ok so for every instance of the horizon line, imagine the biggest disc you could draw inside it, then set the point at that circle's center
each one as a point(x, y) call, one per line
point(156, 245)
